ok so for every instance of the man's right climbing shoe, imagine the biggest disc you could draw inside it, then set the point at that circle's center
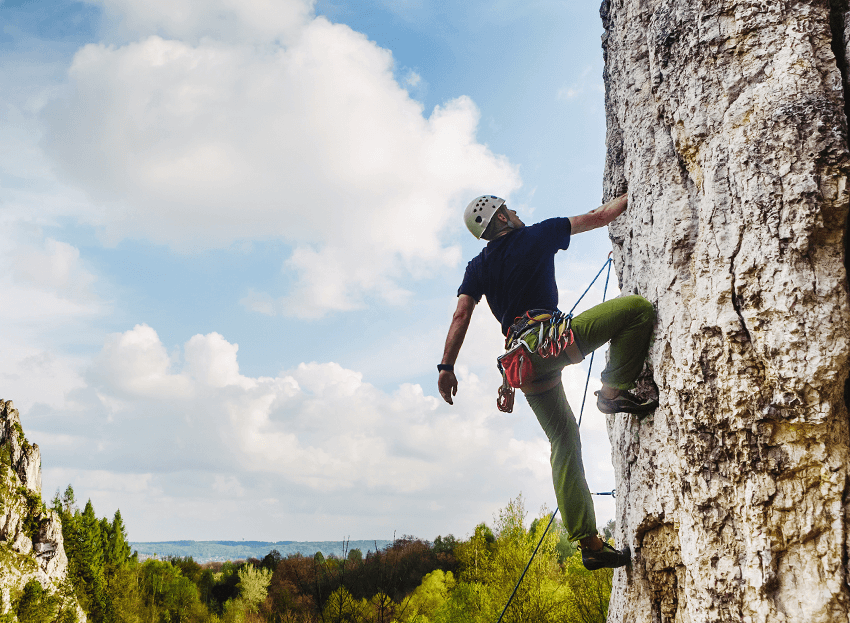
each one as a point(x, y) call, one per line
point(625, 403)
point(607, 557)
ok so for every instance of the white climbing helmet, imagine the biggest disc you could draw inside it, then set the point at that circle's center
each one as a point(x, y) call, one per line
point(479, 212)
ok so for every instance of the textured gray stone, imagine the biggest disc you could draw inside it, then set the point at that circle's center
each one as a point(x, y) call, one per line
point(726, 123)
point(25, 458)
point(21, 557)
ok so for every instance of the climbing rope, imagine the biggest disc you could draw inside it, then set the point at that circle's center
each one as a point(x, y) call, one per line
point(590, 365)
point(607, 265)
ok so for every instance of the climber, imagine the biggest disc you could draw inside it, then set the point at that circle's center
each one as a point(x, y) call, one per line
point(516, 272)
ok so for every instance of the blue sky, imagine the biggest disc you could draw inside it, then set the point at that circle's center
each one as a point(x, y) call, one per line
point(231, 242)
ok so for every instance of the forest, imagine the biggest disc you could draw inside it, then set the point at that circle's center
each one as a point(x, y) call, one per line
point(408, 581)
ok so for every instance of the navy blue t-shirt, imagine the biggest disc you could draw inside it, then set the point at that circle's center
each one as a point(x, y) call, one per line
point(516, 272)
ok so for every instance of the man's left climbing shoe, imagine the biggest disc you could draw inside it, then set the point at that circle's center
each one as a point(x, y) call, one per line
point(625, 403)
point(607, 557)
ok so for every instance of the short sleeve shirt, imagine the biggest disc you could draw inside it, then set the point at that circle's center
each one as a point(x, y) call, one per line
point(516, 272)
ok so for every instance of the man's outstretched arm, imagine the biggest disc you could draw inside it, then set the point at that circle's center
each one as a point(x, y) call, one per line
point(600, 217)
point(447, 382)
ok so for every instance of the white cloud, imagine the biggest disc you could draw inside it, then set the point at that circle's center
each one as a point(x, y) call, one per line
point(196, 436)
point(55, 267)
point(197, 141)
point(316, 432)
point(135, 364)
point(211, 360)
point(47, 289)
point(44, 277)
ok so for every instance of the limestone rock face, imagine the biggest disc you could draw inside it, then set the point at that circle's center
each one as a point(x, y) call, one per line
point(31, 543)
point(727, 125)
point(24, 458)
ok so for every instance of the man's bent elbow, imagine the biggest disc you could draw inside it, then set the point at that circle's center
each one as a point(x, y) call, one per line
point(465, 307)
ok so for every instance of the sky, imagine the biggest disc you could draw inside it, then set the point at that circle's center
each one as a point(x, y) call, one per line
point(231, 239)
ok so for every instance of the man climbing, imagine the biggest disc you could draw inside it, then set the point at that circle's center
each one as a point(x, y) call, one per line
point(516, 272)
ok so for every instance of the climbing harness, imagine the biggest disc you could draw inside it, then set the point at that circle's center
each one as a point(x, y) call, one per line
point(547, 333)
point(540, 331)
point(607, 264)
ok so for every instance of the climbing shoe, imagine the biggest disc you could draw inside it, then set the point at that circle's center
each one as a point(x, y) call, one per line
point(607, 557)
point(625, 403)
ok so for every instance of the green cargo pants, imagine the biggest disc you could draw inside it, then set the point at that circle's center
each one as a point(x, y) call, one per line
point(626, 322)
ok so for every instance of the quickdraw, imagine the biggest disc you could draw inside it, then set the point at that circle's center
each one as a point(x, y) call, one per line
point(545, 332)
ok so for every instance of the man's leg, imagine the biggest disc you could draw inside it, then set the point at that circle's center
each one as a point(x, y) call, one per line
point(574, 501)
point(627, 322)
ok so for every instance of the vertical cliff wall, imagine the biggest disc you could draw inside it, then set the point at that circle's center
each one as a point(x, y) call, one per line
point(727, 124)
point(31, 545)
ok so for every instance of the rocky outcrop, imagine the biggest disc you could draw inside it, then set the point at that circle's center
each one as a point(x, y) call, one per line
point(726, 122)
point(31, 544)
point(24, 458)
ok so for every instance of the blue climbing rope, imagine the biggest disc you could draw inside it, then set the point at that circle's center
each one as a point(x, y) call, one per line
point(590, 365)
point(607, 264)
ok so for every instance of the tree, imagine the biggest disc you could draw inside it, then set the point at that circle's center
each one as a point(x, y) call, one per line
point(253, 586)
point(446, 544)
point(69, 500)
point(590, 591)
point(467, 603)
point(225, 587)
point(117, 549)
point(476, 555)
point(125, 594)
point(292, 591)
point(491, 569)
point(430, 596)
point(271, 560)
point(89, 560)
point(736, 165)
point(36, 605)
point(234, 611)
point(341, 607)
point(168, 595)
point(104, 539)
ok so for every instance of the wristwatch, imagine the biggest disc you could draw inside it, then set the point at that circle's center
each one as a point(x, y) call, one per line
point(447, 367)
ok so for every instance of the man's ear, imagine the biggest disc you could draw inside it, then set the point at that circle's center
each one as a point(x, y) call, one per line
point(501, 217)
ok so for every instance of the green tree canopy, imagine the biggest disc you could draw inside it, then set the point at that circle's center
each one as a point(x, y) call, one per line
point(254, 586)
point(36, 605)
point(445, 544)
point(117, 549)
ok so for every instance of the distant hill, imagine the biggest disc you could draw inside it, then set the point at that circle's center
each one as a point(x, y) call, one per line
point(209, 551)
